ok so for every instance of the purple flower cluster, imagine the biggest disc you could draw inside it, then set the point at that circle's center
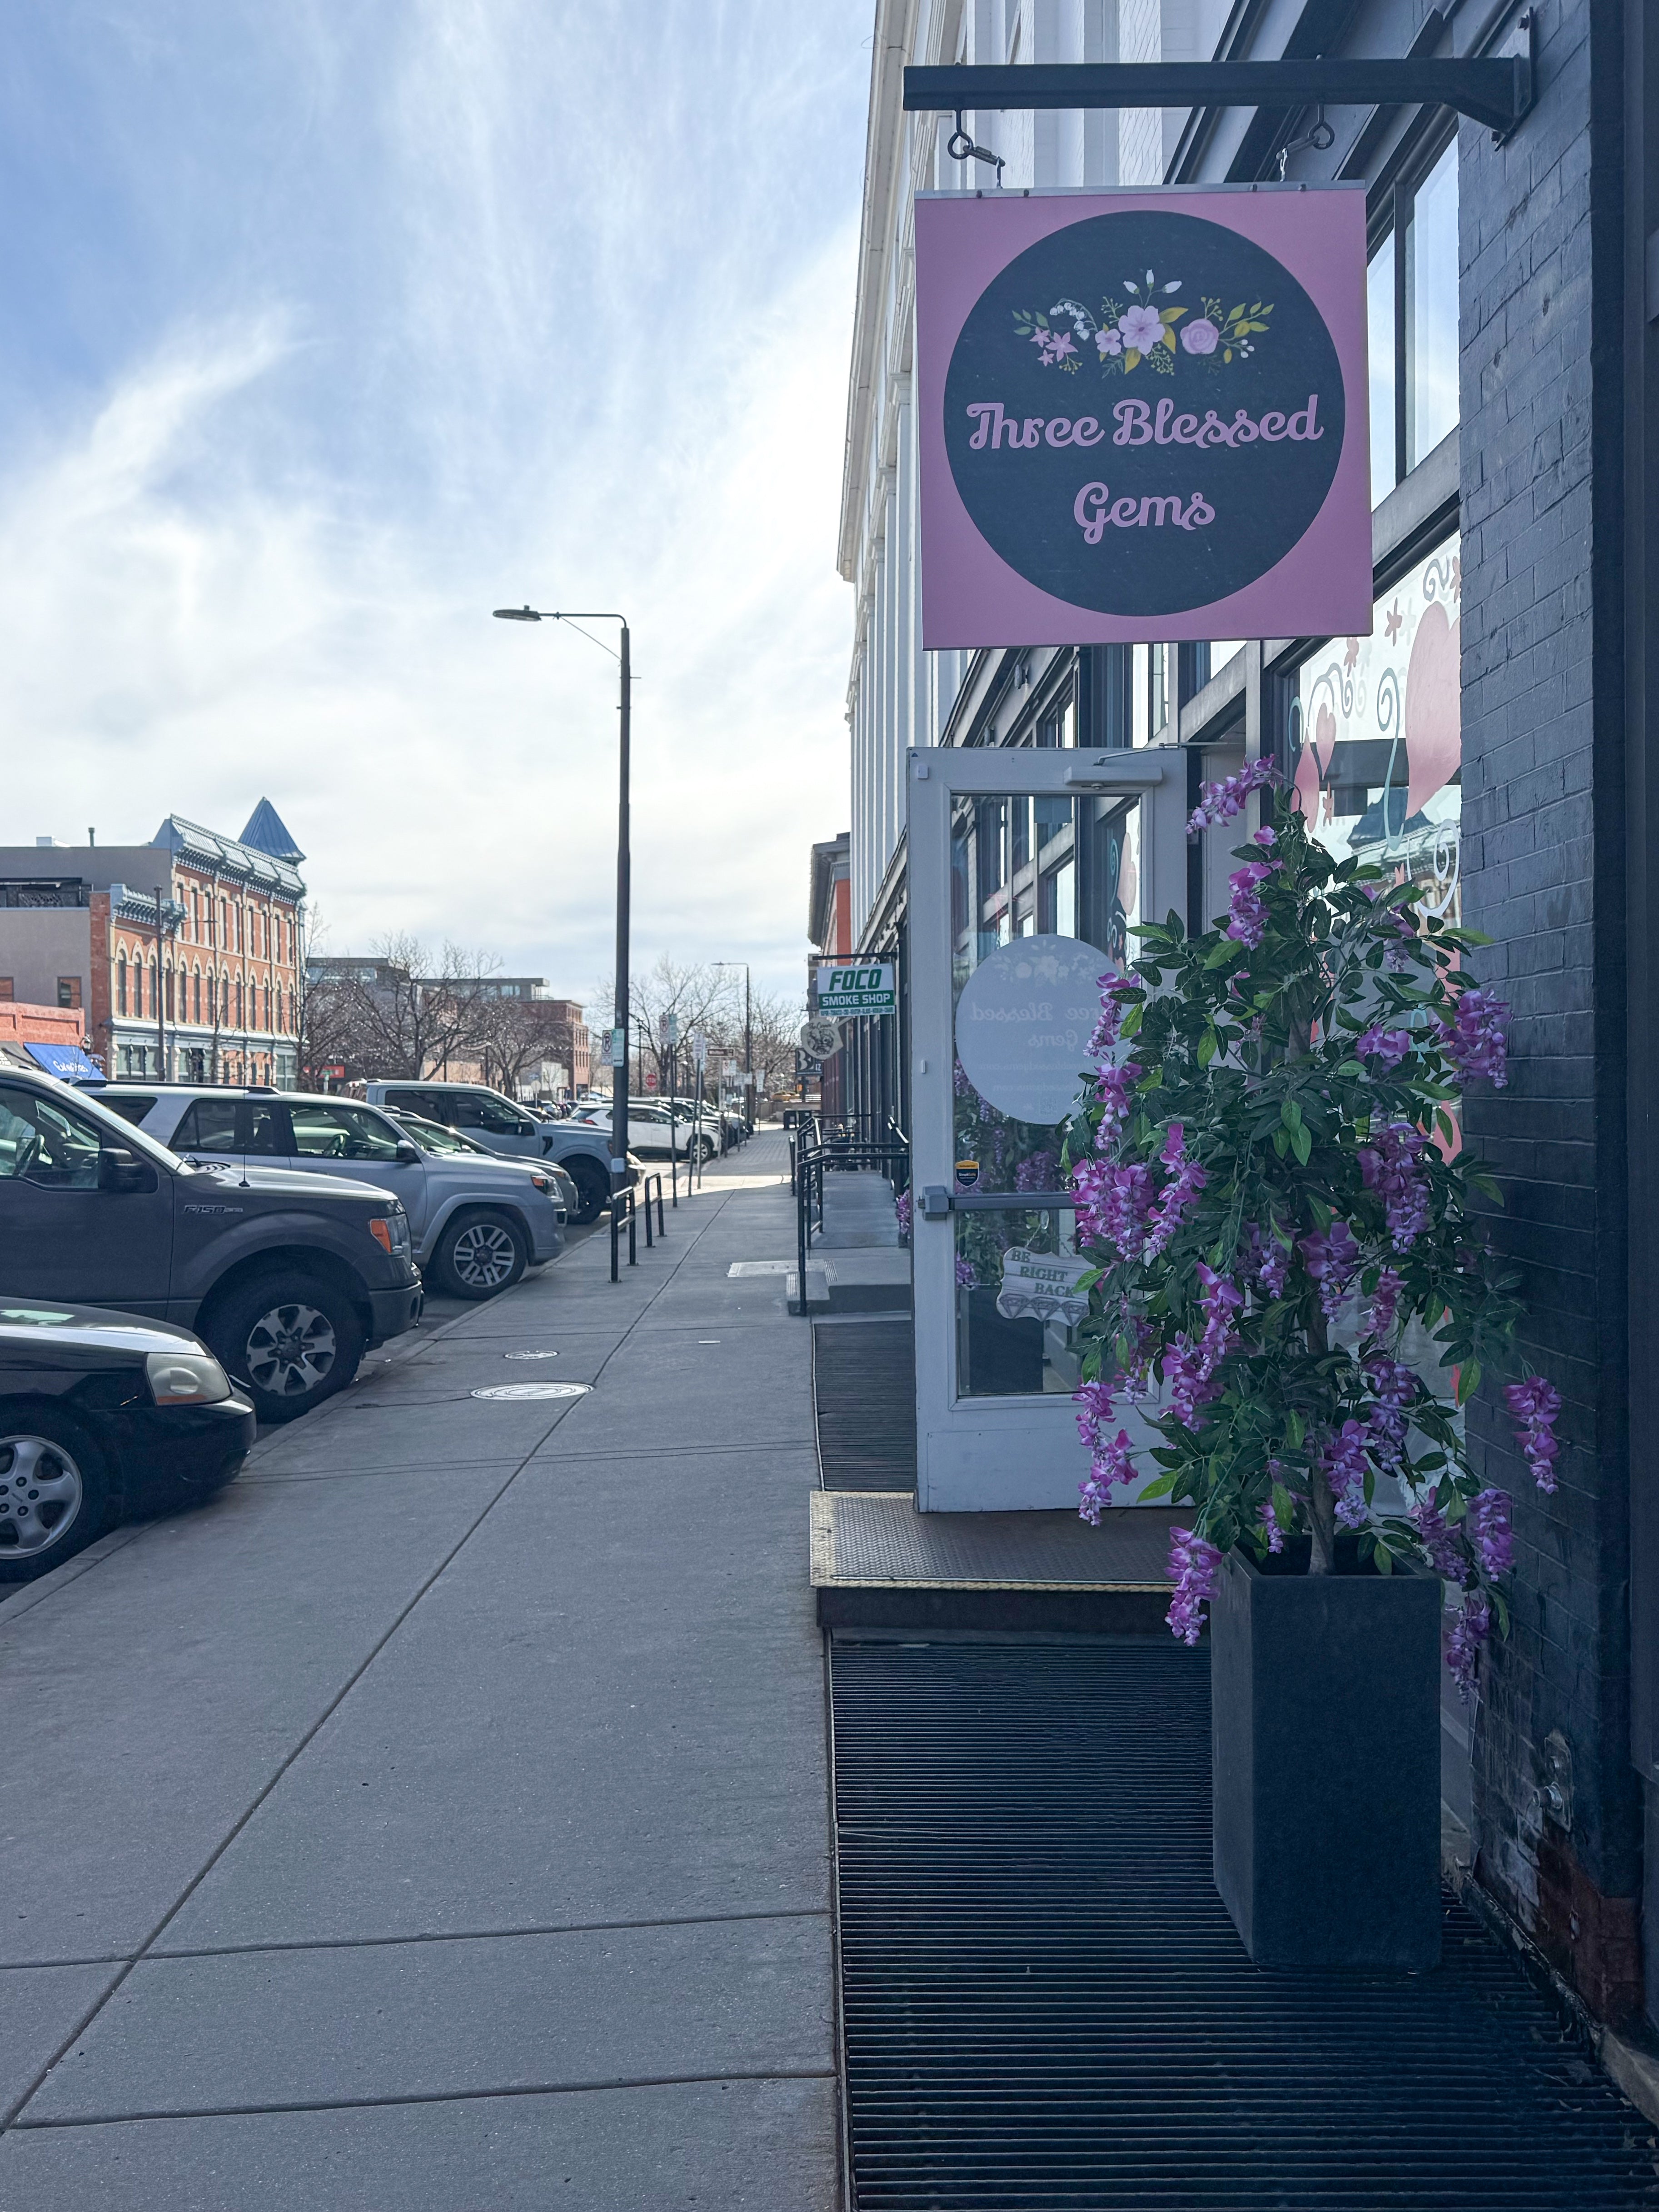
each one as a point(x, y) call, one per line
point(1268, 1263)
point(1270, 1522)
point(1220, 802)
point(1385, 1300)
point(1472, 1627)
point(1533, 1406)
point(1489, 1530)
point(1332, 1258)
point(1194, 1565)
point(1179, 1194)
point(1110, 1464)
point(1189, 1369)
point(1115, 1202)
point(1387, 1046)
point(1439, 1545)
point(902, 1208)
point(1248, 924)
point(1474, 1037)
point(965, 1276)
point(1038, 1172)
point(1390, 1165)
point(1112, 1088)
point(1394, 1388)
point(1343, 1466)
point(1113, 991)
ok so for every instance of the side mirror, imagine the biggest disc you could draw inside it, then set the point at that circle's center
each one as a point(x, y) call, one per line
point(409, 1152)
point(121, 1170)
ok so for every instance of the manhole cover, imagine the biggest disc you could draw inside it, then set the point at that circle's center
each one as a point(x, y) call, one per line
point(535, 1390)
point(530, 1355)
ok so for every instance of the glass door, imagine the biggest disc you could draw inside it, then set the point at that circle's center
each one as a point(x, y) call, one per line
point(1028, 870)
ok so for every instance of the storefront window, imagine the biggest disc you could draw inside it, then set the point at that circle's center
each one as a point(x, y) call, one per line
point(1375, 738)
point(1411, 308)
point(1431, 304)
point(1077, 899)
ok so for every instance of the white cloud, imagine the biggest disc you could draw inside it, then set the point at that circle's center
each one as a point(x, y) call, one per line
point(593, 370)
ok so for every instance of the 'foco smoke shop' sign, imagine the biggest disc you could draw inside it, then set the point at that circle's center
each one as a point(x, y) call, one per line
point(1143, 415)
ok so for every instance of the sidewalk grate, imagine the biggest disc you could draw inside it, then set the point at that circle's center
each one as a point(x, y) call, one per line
point(1045, 2004)
point(864, 1386)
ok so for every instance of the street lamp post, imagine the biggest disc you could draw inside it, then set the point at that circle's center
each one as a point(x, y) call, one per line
point(619, 1030)
point(748, 1042)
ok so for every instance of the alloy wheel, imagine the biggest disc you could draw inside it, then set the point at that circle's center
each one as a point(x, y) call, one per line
point(290, 1350)
point(483, 1255)
point(41, 1493)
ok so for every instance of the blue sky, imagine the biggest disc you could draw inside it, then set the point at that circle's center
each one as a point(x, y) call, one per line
point(335, 323)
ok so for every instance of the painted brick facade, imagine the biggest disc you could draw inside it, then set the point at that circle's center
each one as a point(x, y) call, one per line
point(1557, 1801)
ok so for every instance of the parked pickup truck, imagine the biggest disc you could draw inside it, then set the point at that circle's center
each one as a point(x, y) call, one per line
point(288, 1277)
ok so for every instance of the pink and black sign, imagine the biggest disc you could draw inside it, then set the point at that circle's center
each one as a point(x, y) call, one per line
point(1143, 415)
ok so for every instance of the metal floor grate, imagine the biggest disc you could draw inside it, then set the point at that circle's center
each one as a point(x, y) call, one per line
point(1046, 2006)
point(864, 1384)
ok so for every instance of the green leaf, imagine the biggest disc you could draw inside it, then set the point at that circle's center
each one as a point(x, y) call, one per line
point(1291, 1115)
point(1468, 1381)
point(1160, 1485)
point(1443, 1122)
point(1385, 1562)
point(1302, 1144)
point(1220, 954)
point(1208, 1045)
point(1132, 1021)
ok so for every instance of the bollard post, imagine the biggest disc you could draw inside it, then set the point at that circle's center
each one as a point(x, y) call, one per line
point(613, 1236)
point(633, 1247)
point(648, 1213)
point(647, 1202)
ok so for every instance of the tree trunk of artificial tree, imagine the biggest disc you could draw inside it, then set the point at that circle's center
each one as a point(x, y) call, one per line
point(1321, 1502)
point(1322, 1515)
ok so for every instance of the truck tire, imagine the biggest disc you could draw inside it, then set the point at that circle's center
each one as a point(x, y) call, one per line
point(480, 1254)
point(59, 1492)
point(592, 1186)
point(288, 1341)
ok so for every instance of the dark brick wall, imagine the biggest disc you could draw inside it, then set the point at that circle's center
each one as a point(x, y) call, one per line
point(1543, 826)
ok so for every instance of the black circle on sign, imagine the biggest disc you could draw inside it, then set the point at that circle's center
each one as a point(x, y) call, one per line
point(1044, 352)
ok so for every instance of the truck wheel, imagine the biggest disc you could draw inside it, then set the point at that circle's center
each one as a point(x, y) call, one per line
point(58, 1491)
point(479, 1255)
point(592, 1187)
point(289, 1340)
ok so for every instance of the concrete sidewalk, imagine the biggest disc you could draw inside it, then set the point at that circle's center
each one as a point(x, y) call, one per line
point(440, 1818)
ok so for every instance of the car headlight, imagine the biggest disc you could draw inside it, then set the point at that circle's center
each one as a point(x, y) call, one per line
point(187, 1378)
point(542, 1182)
point(390, 1232)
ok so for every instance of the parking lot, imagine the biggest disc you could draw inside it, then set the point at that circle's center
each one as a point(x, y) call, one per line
point(438, 1817)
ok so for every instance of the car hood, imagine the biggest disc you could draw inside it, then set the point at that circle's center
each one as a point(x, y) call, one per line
point(30, 1326)
point(293, 1183)
point(450, 1171)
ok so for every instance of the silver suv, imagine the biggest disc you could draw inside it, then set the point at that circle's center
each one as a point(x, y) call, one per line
point(477, 1224)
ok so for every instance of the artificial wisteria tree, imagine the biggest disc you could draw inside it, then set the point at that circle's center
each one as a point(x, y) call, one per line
point(1274, 1198)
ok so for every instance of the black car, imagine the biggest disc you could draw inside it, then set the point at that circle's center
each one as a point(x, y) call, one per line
point(288, 1278)
point(103, 1414)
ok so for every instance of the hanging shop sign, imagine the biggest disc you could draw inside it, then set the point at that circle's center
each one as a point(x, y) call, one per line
point(1143, 415)
point(856, 987)
point(820, 1039)
point(1023, 1023)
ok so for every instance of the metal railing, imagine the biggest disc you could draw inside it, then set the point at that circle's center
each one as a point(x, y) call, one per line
point(839, 1154)
point(625, 1207)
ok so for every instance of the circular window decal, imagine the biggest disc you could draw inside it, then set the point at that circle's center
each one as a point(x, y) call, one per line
point(1023, 1026)
point(1143, 413)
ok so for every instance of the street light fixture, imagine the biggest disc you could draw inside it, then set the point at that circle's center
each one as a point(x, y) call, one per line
point(619, 1030)
point(748, 1040)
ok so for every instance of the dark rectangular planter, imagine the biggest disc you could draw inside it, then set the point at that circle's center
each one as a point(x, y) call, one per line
point(1325, 1750)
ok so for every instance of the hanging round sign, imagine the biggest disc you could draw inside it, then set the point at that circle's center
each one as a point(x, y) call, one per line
point(820, 1038)
point(1023, 1025)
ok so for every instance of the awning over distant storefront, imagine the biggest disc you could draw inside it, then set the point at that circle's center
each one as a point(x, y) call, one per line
point(67, 1061)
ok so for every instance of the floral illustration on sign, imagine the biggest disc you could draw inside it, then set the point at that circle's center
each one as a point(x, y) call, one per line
point(1146, 326)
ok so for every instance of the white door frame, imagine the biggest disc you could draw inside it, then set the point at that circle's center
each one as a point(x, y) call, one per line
point(986, 1454)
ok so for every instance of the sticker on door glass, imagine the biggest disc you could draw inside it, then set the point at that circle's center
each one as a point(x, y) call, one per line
point(1042, 1286)
point(1023, 1025)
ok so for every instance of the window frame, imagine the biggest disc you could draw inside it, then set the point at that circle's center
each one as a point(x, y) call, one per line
point(1391, 217)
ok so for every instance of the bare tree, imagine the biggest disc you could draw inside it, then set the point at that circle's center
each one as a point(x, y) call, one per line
point(697, 996)
point(513, 1037)
point(418, 1013)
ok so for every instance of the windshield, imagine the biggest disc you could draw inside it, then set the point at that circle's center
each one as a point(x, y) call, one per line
point(433, 1136)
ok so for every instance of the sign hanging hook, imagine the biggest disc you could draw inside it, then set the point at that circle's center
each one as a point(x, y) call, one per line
point(961, 147)
point(1322, 138)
